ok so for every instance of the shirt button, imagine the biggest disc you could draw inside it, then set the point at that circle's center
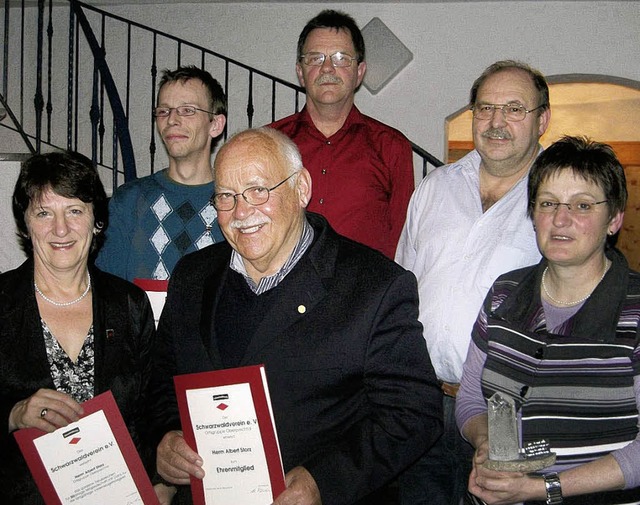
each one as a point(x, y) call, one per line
point(321, 201)
point(324, 171)
point(328, 142)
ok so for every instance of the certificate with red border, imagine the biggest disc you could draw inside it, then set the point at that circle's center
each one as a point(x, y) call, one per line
point(156, 292)
point(227, 419)
point(92, 460)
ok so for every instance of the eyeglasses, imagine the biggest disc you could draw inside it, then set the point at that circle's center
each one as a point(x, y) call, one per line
point(512, 111)
point(317, 59)
point(255, 195)
point(576, 207)
point(182, 110)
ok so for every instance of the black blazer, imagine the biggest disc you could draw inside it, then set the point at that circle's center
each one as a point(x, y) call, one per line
point(354, 394)
point(124, 334)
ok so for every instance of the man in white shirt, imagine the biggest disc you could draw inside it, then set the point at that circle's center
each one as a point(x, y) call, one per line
point(467, 224)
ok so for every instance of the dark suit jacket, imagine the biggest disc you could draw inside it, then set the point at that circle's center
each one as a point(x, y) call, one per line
point(123, 336)
point(354, 394)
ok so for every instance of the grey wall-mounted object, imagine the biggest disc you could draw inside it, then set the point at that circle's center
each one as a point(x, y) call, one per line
point(386, 55)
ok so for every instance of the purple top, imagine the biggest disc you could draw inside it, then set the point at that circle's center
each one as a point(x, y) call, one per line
point(470, 402)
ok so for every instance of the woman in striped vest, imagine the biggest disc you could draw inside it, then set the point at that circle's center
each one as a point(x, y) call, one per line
point(561, 339)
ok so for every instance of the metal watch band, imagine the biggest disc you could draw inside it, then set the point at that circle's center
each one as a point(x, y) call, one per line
point(554, 489)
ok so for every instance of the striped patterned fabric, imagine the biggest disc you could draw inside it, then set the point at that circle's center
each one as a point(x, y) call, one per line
point(576, 389)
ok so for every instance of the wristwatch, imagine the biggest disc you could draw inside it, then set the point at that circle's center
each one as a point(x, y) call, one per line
point(554, 489)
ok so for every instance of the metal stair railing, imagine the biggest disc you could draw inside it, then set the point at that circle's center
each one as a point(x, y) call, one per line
point(93, 77)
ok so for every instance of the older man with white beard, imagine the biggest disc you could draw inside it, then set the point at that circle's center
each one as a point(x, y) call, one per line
point(354, 396)
point(466, 225)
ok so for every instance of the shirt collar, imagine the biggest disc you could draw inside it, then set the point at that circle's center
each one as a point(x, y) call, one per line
point(354, 117)
point(271, 281)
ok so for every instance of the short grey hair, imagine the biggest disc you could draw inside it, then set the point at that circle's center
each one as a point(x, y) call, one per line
point(281, 147)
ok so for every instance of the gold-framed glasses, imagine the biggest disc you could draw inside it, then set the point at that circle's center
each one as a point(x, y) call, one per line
point(512, 111)
point(338, 59)
point(255, 195)
point(575, 207)
point(182, 110)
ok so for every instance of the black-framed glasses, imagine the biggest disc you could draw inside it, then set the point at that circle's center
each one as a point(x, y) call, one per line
point(255, 195)
point(182, 110)
point(512, 111)
point(337, 59)
point(575, 207)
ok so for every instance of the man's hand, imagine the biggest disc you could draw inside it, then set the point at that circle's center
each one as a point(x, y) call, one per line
point(301, 489)
point(164, 493)
point(176, 461)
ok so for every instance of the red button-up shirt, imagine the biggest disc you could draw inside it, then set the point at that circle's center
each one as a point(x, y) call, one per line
point(362, 176)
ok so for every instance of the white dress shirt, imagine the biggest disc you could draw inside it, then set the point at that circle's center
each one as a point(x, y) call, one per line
point(456, 252)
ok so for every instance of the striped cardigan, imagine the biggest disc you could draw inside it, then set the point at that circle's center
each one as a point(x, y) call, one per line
point(576, 389)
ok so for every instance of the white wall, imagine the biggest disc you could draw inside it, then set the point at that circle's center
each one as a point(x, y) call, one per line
point(452, 43)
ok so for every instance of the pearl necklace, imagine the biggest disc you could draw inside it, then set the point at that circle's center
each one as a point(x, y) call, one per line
point(64, 304)
point(576, 302)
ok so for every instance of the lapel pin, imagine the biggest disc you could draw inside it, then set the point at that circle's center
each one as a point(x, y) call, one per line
point(302, 309)
point(110, 334)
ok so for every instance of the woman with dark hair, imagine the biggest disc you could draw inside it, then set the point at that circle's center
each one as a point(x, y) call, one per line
point(67, 330)
point(561, 339)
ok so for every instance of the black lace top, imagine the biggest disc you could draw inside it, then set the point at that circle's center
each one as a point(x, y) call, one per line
point(75, 379)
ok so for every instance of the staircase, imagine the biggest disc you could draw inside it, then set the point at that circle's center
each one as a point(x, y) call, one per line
point(76, 77)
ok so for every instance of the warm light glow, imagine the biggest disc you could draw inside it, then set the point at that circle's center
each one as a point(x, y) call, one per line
point(603, 111)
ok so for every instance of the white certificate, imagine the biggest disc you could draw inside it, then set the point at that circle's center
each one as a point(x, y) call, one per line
point(227, 418)
point(88, 462)
point(157, 294)
point(229, 441)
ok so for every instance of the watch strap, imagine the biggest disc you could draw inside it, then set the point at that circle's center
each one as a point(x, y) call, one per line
point(554, 489)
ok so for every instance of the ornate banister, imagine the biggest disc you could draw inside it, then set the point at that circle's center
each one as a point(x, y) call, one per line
point(254, 96)
point(120, 119)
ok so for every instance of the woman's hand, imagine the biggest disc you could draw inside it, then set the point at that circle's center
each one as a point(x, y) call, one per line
point(501, 488)
point(46, 410)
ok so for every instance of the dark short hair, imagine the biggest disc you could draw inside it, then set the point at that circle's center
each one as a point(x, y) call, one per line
point(67, 174)
point(217, 98)
point(539, 82)
point(338, 21)
point(592, 161)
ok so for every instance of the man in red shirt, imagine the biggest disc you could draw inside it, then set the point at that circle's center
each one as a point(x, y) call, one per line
point(362, 169)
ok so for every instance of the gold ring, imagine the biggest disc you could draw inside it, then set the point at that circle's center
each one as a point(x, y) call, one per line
point(43, 412)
